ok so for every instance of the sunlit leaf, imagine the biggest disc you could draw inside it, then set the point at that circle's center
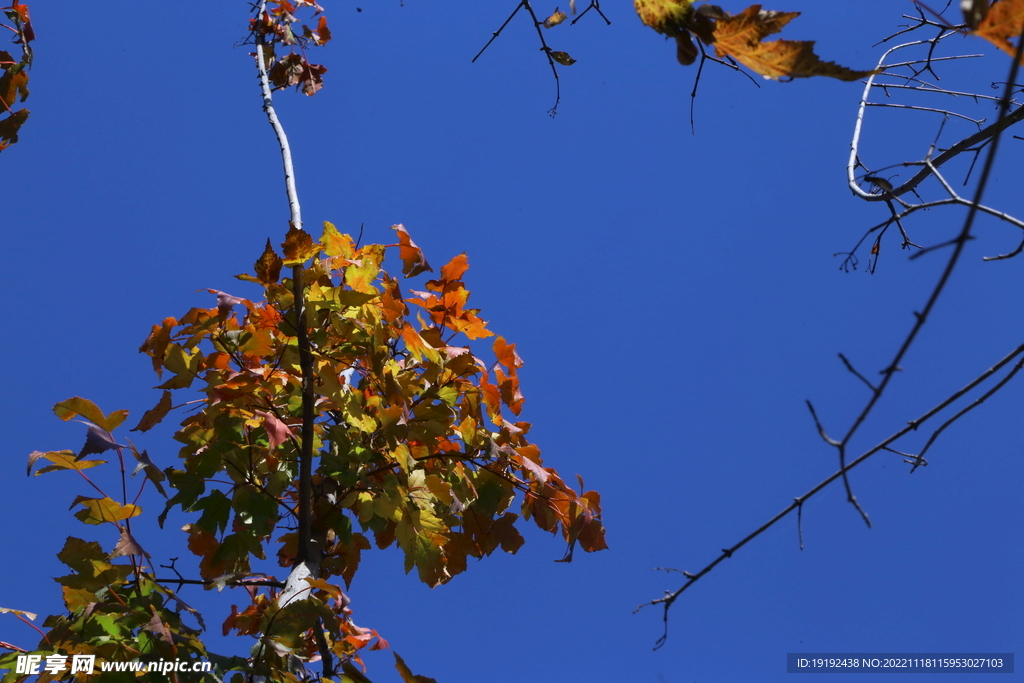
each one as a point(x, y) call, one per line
point(335, 243)
point(413, 260)
point(298, 247)
point(104, 510)
point(556, 18)
point(82, 407)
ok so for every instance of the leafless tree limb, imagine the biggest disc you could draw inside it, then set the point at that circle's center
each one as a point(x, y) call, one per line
point(886, 192)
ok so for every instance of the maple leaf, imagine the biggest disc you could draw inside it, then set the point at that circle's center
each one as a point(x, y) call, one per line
point(740, 37)
point(413, 260)
point(298, 247)
point(268, 266)
point(154, 415)
point(1004, 20)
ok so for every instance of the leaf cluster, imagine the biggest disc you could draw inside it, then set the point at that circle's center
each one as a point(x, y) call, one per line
point(278, 25)
point(418, 445)
point(740, 37)
point(14, 73)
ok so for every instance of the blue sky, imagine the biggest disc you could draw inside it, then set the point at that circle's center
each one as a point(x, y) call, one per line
point(675, 298)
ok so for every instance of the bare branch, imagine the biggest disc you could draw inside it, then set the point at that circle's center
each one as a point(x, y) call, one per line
point(920, 318)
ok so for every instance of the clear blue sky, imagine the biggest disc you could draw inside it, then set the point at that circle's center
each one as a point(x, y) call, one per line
point(675, 298)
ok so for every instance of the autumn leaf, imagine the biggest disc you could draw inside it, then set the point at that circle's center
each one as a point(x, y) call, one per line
point(154, 415)
point(562, 58)
point(277, 431)
point(740, 37)
point(83, 407)
point(413, 260)
point(556, 18)
point(13, 84)
point(1004, 20)
point(9, 127)
point(336, 244)
point(298, 247)
point(104, 510)
point(127, 545)
point(268, 266)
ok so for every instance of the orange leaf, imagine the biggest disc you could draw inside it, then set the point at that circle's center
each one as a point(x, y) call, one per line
point(506, 355)
point(413, 260)
point(456, 268)
point(740, 37)
point(418, 346)
point(298, 247)
point(155, 414)
point(1004, 20)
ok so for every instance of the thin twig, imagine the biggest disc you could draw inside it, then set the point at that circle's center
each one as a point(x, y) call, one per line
point(887, 374)
point(671, 596)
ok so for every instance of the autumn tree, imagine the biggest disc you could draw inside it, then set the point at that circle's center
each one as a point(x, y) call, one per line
point(335, 413)
point(329, 413)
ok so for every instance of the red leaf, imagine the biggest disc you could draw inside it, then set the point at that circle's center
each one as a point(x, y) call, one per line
point(277, 431)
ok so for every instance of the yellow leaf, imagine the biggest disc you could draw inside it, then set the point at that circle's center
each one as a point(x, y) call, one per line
point(669, 17)
point(335, 243)
point(555, 19)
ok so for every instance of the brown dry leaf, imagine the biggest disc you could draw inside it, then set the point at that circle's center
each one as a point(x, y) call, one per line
point(562, 58)
point(127, 545)
point(740, 37)
point(1004, 20)
point(268, 266)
